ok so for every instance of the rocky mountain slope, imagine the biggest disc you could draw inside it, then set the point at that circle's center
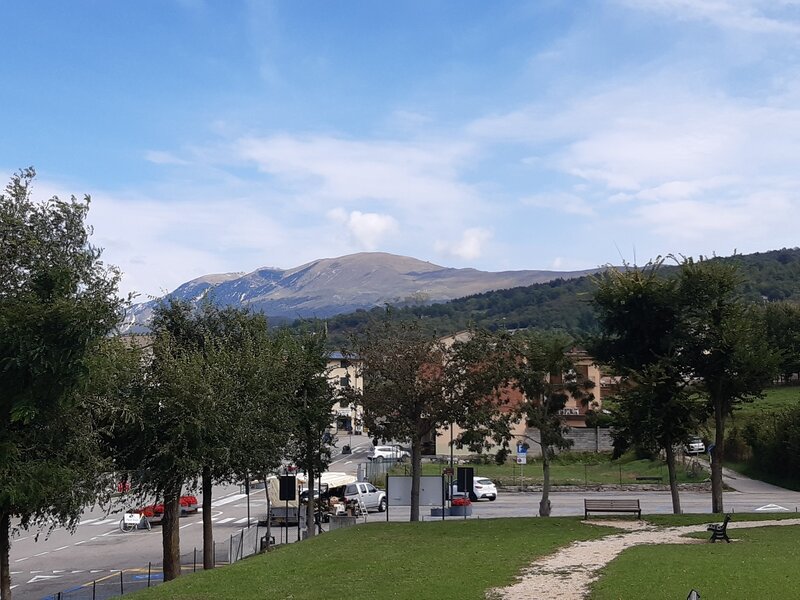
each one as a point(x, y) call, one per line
point(331, 286)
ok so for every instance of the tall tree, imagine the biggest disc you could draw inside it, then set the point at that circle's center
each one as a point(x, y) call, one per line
point(782, 321)
point(725, 348)
point(57, 302)
point(541, 366)
point(639, 311)
point(313, 398)
point(416, 383)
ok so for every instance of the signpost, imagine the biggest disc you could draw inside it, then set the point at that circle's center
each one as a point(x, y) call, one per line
point(522, 459)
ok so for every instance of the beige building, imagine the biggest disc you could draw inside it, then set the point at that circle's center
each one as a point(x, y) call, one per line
point(574, 412)
point(343, 374)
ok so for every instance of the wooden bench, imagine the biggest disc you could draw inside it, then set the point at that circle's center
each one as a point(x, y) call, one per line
point(612, 505)
point(720, 532)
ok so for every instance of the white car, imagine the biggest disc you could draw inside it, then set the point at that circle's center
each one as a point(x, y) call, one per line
point(382, 453)
point(371, 497)
point(695, 446)
point(482, 488)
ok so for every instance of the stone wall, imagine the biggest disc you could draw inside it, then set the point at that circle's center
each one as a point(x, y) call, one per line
point(586, 439)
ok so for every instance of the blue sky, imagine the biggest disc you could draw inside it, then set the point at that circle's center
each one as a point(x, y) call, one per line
point(226, 136)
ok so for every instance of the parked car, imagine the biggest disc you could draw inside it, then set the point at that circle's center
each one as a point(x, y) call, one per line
point(482, 488)
point(381, 453)
point(694, 446)
point(371, 497)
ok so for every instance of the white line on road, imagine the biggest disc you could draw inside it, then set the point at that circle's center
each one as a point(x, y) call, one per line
point(228, 500)
point(240, 521)
point(105, 522)
point(43, 553)
point(21, 559)
point(57, 571)
point(187, 525)
point(96, 571)
point(225, 520)
point(348, 462)
point(79, 543)
point(78, 571)
point(87, 521)
point(62, 548)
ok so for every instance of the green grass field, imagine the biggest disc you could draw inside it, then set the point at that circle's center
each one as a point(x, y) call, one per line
point(760, 563)
point(463, 559)
point(453, 560)
point(775, 399)
point(571, 472)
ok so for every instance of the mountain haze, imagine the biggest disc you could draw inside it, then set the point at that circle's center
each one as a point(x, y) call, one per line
point(332, 286)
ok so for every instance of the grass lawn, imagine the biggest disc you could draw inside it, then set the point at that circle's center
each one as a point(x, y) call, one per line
point(456, 560)
point(760, 563)
point(569, 473)
point(775, 399)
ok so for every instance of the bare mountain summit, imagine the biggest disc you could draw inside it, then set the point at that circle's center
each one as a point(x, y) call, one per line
point(331, 286)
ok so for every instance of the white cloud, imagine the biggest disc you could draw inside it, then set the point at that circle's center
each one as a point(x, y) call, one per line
point(368, 230)
point(405, 174)
point(752, 16)
point(469, 247)
point(561, 202)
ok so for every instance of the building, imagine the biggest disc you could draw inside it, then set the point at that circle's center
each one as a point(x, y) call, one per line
point(343, 375)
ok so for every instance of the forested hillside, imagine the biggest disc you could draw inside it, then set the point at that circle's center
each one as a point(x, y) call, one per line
point(563, 304)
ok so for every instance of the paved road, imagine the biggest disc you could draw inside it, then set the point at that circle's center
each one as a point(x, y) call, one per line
point(98, 550)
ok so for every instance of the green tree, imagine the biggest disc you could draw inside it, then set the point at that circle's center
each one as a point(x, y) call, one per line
point(57, 303)
point(311, 412)
point(725, 348)
point(415, 383)
point(782, 321)
point(639, 312)
point(541, 367)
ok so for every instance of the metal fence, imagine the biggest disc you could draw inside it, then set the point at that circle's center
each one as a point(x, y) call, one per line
point(239, 545)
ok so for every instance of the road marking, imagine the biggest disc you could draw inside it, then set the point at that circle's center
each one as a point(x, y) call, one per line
point(21, 559)
point(15, 572)
point(225, 520)
point(228, 500)
point(79, 543)
point(87, 521)
point(105, 522)
point(62, 548)
point(57, 571)
point(348, 462)
point(107, 533)
point(96, 571)
point(34, 572)
point(78, 571)
point(771, 507)
point(185, 526)
point(240, 521)
point(43, 553)
point(43, 578)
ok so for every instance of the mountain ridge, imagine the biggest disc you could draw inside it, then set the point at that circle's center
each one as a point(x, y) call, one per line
point(330, 286)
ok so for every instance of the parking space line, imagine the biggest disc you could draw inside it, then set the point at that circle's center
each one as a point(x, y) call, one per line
point(225, 520)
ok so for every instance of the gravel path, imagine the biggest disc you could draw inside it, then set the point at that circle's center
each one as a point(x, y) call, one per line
point(567, 574)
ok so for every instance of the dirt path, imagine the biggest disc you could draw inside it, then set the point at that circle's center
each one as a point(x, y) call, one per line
point(567, 574)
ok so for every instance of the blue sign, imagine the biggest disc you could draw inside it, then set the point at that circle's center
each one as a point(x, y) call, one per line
point(522, 449)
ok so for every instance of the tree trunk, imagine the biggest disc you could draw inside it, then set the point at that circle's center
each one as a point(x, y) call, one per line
point(544, 504)
point(208, 526)
point(717, 456)
point(673, 479)
point(170, 534)
point(5, 549)
point(416, 473)
point(269, 510)
point(310, 506)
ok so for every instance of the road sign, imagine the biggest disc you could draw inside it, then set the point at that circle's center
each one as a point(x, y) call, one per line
point(522, 459)
point(522, 448)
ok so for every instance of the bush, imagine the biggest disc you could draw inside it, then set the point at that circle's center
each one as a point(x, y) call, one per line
point(775, 442)
point(736, 447)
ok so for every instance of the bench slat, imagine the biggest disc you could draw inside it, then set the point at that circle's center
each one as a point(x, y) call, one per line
point(612, 505)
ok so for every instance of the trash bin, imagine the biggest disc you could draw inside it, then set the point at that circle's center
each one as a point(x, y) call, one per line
point(346, 449)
